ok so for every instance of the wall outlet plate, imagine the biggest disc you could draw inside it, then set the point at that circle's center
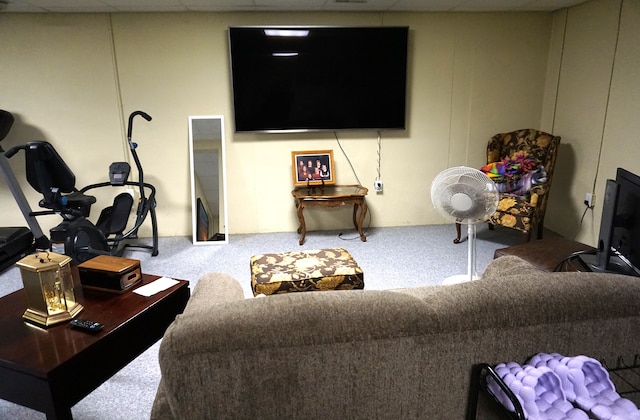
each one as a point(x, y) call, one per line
point(377, 185)
point(590, 200)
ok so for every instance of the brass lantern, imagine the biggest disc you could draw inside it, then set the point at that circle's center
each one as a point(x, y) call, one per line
point(49, 288)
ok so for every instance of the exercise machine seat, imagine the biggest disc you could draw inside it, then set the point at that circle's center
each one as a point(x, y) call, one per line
point(6, 121)
point(113, 219)
point(48, 174)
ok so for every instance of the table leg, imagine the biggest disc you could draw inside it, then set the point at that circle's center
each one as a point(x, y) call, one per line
point(357, 221)
point(298, 214)
point(458, 233)
point(302, 228)
point(60, 414)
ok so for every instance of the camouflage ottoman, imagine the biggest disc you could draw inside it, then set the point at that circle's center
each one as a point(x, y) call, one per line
point(301, 271)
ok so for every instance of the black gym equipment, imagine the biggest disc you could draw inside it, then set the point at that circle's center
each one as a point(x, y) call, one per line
point(76, 236)
point(16, 242)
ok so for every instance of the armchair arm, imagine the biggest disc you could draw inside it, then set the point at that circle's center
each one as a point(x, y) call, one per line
point(536, 193)
point(494, 148)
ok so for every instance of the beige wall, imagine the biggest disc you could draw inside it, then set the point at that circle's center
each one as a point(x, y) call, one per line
point(74, 79)
point(593, 102)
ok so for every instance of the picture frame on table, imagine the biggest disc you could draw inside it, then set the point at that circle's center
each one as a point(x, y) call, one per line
point(313, 167)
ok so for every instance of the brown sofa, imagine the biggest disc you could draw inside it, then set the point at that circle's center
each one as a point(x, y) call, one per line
point(368, 354)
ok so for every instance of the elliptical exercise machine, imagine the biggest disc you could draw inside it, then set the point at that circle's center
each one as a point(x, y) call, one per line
point(76, 236)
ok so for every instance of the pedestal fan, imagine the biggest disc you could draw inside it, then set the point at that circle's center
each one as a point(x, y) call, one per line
point(468, 196)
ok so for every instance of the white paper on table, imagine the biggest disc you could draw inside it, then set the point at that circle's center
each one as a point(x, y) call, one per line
point(163, 283)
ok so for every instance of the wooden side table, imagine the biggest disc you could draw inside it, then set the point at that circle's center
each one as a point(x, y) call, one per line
point(548, 254)
point(332, 196)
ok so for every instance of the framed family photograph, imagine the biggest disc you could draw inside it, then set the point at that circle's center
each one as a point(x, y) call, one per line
point(313, 167)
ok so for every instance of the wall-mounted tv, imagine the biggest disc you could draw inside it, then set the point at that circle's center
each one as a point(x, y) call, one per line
point(300, 78)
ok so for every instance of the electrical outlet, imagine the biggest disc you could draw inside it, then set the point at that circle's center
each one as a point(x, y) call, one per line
point(590, 200)
point(377, 185)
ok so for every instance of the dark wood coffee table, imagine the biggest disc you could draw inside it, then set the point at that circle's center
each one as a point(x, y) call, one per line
point(50, 370)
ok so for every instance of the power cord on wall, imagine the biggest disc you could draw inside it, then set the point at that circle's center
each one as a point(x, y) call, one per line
point(379, 154)
point(357, 236)
point(584, 213)
point(347, 157)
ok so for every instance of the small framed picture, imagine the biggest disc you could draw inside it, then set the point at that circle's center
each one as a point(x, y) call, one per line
point(313, 167)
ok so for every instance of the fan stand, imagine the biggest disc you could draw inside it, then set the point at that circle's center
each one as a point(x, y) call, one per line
point(471, 260)
point(465, 195)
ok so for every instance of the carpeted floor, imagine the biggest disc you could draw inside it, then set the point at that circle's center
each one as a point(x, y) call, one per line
point(391, 258)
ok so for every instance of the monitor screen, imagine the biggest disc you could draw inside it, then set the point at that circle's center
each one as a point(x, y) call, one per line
point(619, 239)
point(625, 231)
point(318, 78)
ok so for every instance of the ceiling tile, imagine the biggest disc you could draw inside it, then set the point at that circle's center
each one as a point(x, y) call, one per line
point(138, 4)
point(359, 5)
point(218, 5)
point(427, 6)
point(69, 6)
point(550, 4)
point(482, 5)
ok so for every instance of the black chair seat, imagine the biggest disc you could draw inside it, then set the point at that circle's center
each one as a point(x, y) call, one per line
point(74, 203)
point(79, 199)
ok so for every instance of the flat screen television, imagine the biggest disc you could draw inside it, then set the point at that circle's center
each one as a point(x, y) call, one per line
point(619, 238)
point(318, 78)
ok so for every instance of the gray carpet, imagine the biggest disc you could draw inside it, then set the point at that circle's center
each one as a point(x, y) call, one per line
point(391, 258)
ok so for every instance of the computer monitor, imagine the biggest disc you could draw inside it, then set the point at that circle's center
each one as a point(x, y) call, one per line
point(619, 238)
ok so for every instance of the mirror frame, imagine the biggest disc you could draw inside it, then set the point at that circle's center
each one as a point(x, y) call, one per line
point(222, 171)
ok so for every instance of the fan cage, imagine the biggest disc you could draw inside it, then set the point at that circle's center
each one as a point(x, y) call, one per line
point(465, 195)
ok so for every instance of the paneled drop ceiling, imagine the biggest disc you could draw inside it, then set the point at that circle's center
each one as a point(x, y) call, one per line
point(114, 6)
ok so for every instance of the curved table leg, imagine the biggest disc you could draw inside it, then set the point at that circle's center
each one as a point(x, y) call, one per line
point(302, 228)
point(358, 222)
point(457, 239)
point(355, 212)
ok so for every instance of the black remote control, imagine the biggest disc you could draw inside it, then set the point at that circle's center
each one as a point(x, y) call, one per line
point(85, 324)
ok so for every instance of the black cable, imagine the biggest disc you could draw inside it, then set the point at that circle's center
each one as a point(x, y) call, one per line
point(572, 256)
point(347, 157)
point(379, 154)
point(581, 220)
point(358, 235)
point(359, 183)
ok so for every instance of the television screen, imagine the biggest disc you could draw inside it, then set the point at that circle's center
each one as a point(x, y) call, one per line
point(318, 78)
point(625, 232)
point(619, 239)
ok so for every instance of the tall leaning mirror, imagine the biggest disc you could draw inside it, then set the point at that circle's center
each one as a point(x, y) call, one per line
point(208, 185)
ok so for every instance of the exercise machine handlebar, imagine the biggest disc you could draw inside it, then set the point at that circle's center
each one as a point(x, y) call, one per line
point(15, 149)
point(133, 145)
point(131, 117)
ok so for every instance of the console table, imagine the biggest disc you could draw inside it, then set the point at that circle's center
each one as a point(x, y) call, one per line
point(548, 254)
point(331, 196)
point(50, 370)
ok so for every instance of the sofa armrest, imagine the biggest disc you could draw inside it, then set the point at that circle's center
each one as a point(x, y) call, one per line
point(213, 289)
point(507, 265)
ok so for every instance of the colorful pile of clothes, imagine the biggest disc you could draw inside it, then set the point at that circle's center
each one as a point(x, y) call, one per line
point(515, 175)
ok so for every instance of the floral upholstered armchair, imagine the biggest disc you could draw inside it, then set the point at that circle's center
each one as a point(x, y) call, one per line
point(521, 163)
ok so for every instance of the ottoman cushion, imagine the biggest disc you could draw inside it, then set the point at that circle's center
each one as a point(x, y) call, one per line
point(299, 271)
